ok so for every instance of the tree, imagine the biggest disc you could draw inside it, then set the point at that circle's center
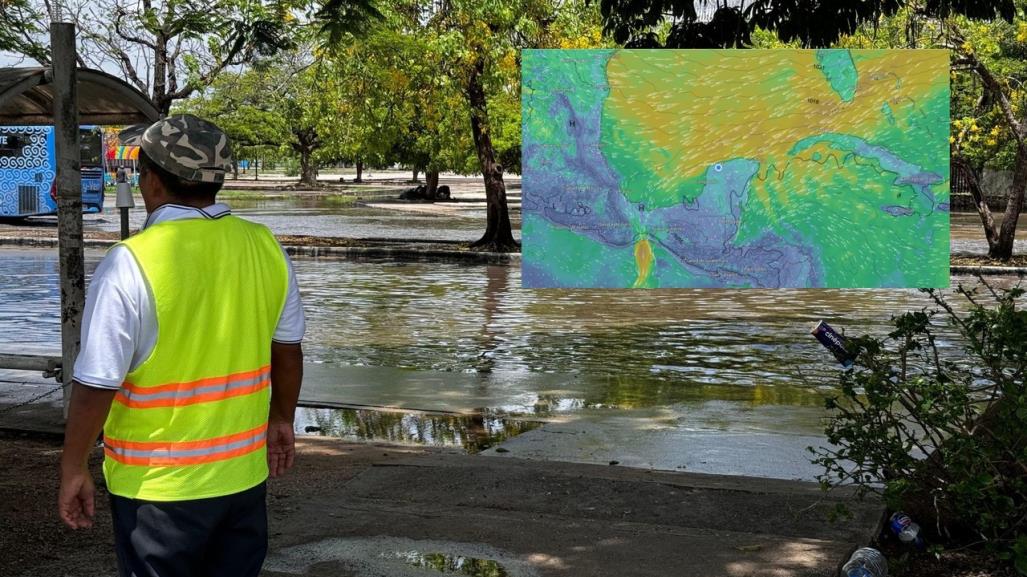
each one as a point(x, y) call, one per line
point(988, 104)
point(167, 49)
point(21, 27)
point(475, 45)
point(991, 53)
point(304, 106)
point(239, 103)
point(380, 86)
point(989, 110)
point(811, 23)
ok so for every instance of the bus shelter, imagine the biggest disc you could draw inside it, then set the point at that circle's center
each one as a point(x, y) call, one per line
point(27, 97)
point(67, 97)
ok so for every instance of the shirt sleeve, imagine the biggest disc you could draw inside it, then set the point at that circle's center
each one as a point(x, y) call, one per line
point(111, 322)
point(293, 323)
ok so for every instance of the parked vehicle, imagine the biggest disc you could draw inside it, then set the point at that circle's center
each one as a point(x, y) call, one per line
point(28, 169)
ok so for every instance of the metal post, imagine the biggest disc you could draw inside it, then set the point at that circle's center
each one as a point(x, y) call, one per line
point(69, 197)
point(124, 200)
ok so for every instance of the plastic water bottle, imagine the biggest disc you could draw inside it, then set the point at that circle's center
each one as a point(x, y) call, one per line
point(906, 529)
point(866, 562)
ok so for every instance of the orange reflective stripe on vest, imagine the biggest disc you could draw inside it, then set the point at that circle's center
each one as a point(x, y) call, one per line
point(199, 391)
point(163, 454)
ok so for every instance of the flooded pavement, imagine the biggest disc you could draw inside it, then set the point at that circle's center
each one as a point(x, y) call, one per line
point(324, 215)
point(968, 234)
point(339, 215)
point(536, 352)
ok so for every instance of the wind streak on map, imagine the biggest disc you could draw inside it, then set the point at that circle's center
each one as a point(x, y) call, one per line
point(735, 168)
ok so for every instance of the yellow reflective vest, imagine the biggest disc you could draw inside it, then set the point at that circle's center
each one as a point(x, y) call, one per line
point(190, 421)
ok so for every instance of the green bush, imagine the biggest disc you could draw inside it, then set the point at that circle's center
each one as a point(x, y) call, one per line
point(291, 167)
point(941, 432)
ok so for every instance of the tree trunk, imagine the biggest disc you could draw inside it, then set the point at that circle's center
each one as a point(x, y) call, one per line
point(306, 143)
point(256, 161)
point(1002, 249)
point(308, 170)
point(416, 170)
point(235, 169)
point(360, 172)
point(498, 235)
point(980, 198)
point(431, 181)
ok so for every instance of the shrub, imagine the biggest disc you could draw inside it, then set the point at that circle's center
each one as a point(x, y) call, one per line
point(941, 432)
point(291, 167)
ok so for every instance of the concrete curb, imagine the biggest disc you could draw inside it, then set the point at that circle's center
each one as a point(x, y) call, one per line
point(408, 252)
point(403, 253)
point(988, 270)
point(35, 242)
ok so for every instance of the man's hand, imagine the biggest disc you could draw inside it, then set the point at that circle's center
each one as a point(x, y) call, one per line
point(75, 499)
point(281, 446)
point(286, 378)
point(86, 414)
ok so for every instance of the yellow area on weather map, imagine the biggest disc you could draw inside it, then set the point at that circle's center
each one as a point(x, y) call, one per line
point(670, 115)
point(643, 261)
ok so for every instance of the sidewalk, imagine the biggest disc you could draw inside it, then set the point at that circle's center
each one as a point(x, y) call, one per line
point(364, 510)
point(552, 519)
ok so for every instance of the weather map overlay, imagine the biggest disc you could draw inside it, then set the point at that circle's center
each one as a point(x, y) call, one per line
point(735, 168)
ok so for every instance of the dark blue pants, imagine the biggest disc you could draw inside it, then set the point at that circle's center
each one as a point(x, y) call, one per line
point(220, 536)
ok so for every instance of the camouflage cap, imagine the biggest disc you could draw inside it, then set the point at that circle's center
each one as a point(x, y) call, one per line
point(184, 145)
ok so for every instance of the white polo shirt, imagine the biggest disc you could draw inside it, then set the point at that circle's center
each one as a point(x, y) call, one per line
point(119, 323)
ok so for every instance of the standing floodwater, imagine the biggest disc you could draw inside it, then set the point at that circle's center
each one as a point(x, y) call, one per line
point(648, 347)
point(655, 374)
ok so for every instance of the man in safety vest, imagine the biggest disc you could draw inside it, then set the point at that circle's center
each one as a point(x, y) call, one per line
point(191, 366)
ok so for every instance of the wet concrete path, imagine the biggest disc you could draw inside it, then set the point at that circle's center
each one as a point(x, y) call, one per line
point(474, 515)
point(373, 510)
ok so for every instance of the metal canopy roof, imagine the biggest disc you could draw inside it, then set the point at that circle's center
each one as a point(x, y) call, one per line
point(26, 97)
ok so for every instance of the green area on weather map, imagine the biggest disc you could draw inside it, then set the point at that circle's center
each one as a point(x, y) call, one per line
point(735, 168)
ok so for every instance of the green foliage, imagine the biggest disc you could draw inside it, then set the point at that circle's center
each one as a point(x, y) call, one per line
point(239, 102)
point(402, 83)
point(291, 167)
point(1018, 554)
point(21, 27)
point(980, 132)
point(937, 432)
point(343, 19)
point(645, 23)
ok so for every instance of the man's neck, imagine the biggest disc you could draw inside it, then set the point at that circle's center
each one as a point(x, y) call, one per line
point(192, 202)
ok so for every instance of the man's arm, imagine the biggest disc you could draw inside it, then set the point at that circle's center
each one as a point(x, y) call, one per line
point(116, 304)
point(286, 378)
point(86, 415)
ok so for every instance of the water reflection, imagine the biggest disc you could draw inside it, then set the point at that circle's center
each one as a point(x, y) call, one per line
point(473, 433)
point(453, 564)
